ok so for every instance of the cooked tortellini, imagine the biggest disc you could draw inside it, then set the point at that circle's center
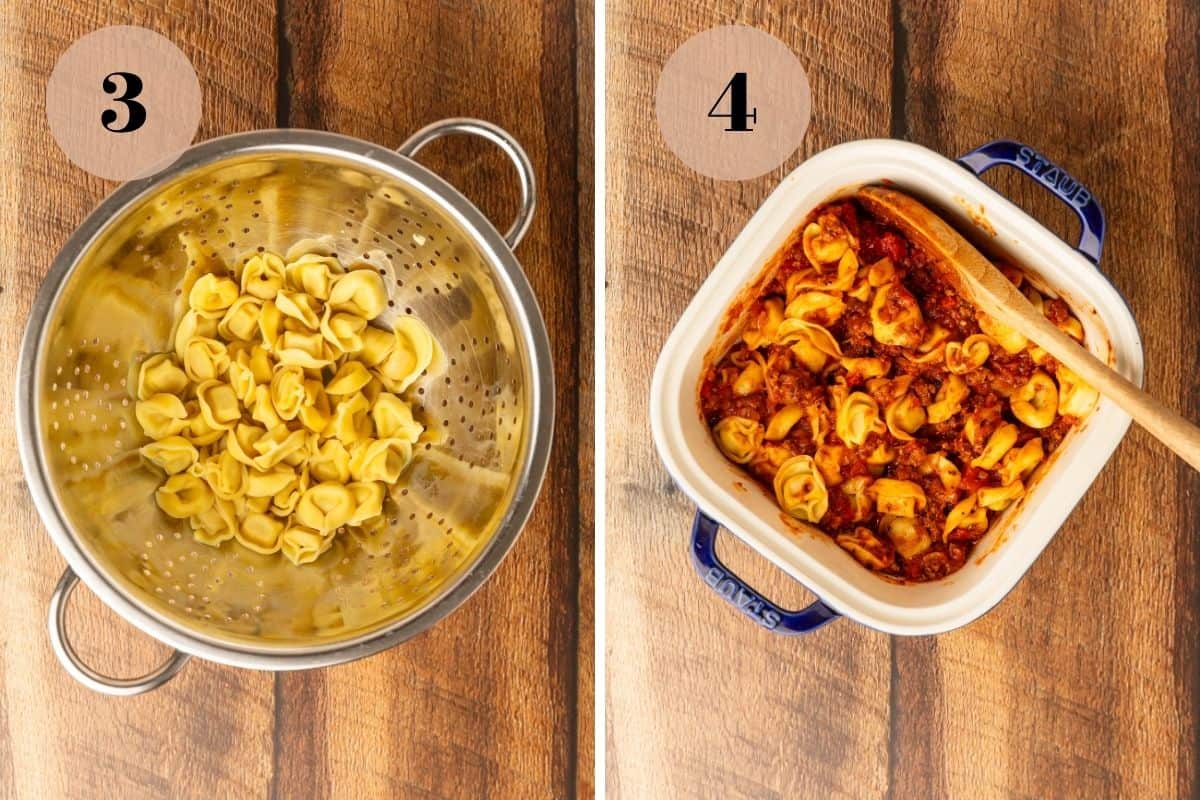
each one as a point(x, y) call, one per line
point(783, 421)
point(964, 356)
point(832, 251)
point(738, 438)
point(868, 548)
point(828, 459)
point(827, 240)
point(278, 415)
point(160, 375)
point(933, 348)
point(1013, 341)
point(966, 514)
point(212, 295)
point(750, 380)
point(1075, 398)
point(880, 456)
point(811, 343)
point(824, 308)
point(184, 495)
point(877, 402)
point(161, 415)
point(896, 317)
point(765, 324)
point(908, 535)
point(866, 367)
point(857, 417)
point(949, 400)
point(1019, 463)
point(800, 489)
point(998, 498)
point(171, 454)
point(897, 497)
point(905, 416)
point(1036, 402)
point(856, 491)
point(948, 473)
point(998, 444)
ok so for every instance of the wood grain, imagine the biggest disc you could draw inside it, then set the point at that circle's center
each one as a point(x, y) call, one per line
point(700, 703)
point(210, 729)
point(487, 702)
point(585, 712)
point(508, 659)
point(982, 283)
point(1083, 682)
point(1090, 663)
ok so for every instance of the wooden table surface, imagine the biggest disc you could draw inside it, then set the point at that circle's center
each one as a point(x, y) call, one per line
point(496, 700)
point(1085, 681)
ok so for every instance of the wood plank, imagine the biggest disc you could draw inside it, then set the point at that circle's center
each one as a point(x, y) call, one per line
point(1183, 84)
point(585, 692)
point(701, 703)
point(486, 702)
point(209, 729)
point(1083, 681)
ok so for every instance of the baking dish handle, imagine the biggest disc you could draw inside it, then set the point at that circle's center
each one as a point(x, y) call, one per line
point(73, 664)
point(1054, 178)
point(741, 596)
point(502, 139)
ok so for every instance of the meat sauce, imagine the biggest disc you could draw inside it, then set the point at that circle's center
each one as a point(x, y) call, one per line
point(791, 382)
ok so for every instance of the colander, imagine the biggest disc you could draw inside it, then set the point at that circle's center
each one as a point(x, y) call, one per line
point(486, 399)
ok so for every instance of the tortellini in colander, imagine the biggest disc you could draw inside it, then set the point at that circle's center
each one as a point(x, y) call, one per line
point(278, 416)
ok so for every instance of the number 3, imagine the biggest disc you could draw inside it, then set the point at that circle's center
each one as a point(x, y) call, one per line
point(135, 111)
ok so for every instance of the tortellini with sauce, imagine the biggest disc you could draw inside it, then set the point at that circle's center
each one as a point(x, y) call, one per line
point(970, 354)
point(949, 400)
point(738, 438)
point(905, 416)
point(1036, 402)
point(896, 317)
point(1075, 398)
point(801, 490)
point(1013, 341)
point(998, 444)
point(867, 548)
point(897, 497)
point(279, 415)
point(871, 399)
point(857, 417)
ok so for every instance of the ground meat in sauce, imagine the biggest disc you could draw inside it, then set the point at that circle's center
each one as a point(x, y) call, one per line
point(789, 382)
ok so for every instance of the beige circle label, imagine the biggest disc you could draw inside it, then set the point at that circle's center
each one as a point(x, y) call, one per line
point(733, 102)
point(123, 102)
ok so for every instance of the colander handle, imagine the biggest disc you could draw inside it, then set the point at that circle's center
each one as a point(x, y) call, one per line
point(502, 139)
point(73, 664)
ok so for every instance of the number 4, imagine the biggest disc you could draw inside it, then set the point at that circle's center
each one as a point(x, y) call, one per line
point(737, 116)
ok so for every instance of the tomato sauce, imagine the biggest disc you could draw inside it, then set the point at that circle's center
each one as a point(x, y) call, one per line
point(960, 440)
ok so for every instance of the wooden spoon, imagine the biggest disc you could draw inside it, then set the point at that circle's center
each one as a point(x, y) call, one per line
point(978, 280)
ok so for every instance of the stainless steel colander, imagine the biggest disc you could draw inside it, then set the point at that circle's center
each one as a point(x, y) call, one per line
point(107, 302)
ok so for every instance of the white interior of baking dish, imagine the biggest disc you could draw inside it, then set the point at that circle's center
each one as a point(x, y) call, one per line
point(727, 494)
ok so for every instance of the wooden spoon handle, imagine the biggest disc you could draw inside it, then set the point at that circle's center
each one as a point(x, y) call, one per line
point(978, 279)
point(1161, 422)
